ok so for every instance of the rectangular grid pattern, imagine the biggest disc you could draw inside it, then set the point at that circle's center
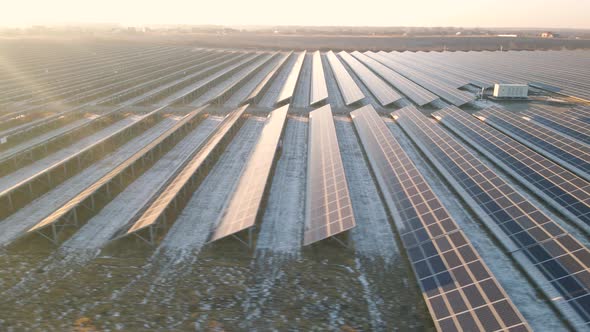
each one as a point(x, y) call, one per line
point(348, 88)
point(459, 289)
point(563, 150)
point(329, 209)
point(244, 205)
point(382, 92)
point(580, 112)
point(566, 190)
point(319, 90)
point(416, 93)
point(561, 259)
point(569, 126)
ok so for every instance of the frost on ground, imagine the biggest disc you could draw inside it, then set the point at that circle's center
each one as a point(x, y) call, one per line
point(102, 227)
point(279, 239)
point(282, 223)
point(535, 309)
point(372, 236)
point(14, 225)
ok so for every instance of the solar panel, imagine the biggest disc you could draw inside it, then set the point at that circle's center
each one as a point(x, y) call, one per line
point(566, 125)
point(383, 92)
point(553, 259)
point(155, 210)
point(289, 86)
point(569, 153)
point(412, 60)
point(459, 289)
point(329, 209)
point(348, 88)
point(319, 90)
point(581, 113)
point(561, 188)
point(244, 205)
point(412, 90)
point(441, 89)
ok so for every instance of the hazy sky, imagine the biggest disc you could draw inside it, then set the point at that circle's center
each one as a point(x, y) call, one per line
point(466, 13)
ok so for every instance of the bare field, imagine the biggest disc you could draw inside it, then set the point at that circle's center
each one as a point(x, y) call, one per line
point(382, 43)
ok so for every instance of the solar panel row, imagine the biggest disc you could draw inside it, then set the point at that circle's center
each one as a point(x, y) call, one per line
point(348, 88)
point(443, 90)
point(569, 153)
point(329, 209)
point(581, 113)
point(557, 256)
point(156, 208)
point(561, 188)
point(383, 92)
point(319, 90)
point(289, 86)
point(412, 90)
point(244, 205)
point(428, 68)
point(569, 126)
point(103, 182)
point(459, 289)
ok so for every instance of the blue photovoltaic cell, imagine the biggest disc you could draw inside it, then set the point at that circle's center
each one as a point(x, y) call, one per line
point(459, 289)
point(558, 256)
point(569, 126)
point(569, 153)
point(561, 187)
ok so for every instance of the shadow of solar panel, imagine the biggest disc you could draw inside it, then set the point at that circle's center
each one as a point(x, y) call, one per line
point(244, 205)
point(459, 289)
point(509, 216)
point(329, 209)
point(569, 153)
point(560, 187)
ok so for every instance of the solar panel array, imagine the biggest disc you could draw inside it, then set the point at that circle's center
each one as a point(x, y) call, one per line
point(561, 260)
point(566, 191)
point(566, 125)
point(329, 209)
point(441, 89)
point(383, 92)
point(319, 90)
point(244, 205)
point(569, 153)
point(413, 91)
point(348, 88)
point(459, 289)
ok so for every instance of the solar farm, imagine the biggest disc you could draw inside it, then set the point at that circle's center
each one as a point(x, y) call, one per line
point(170, 187)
